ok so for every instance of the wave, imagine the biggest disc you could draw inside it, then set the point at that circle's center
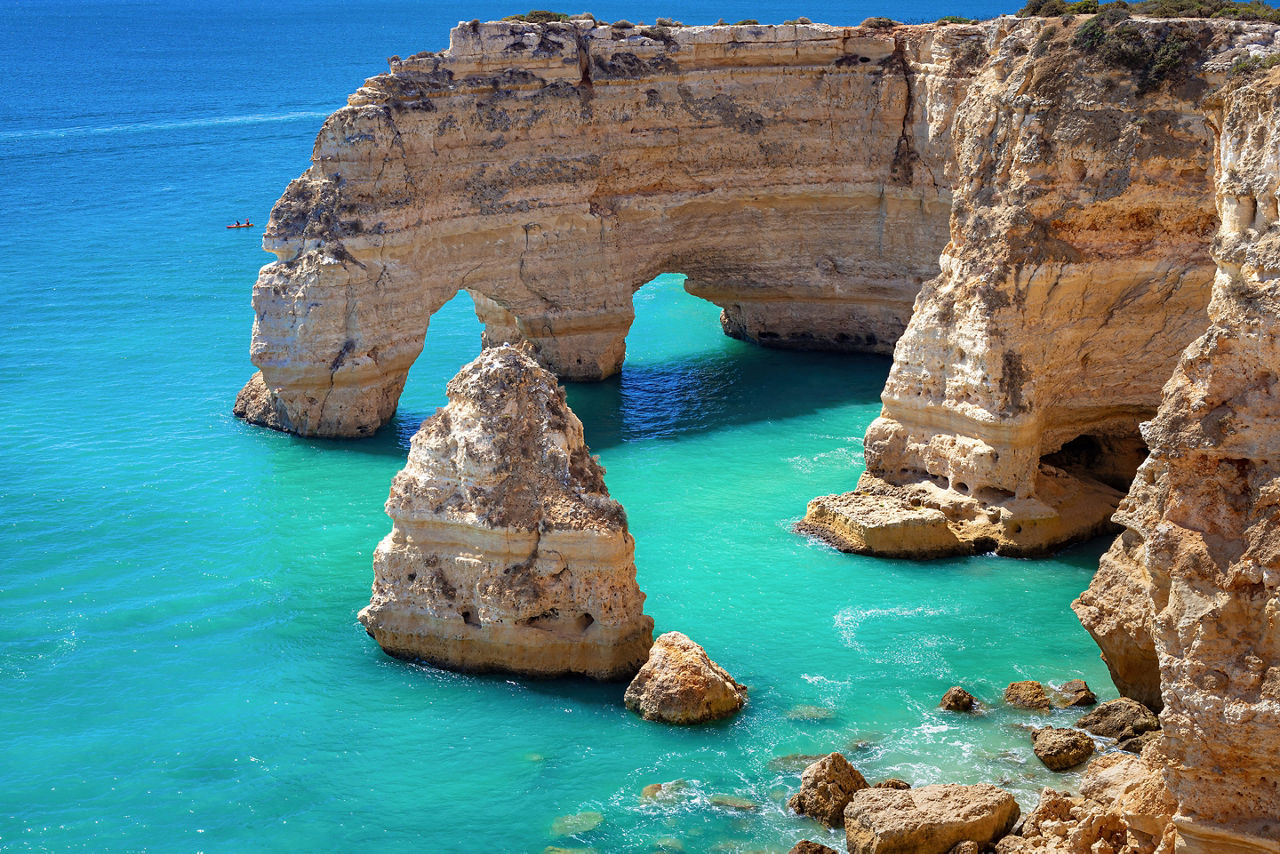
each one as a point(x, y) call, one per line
point(145, 127)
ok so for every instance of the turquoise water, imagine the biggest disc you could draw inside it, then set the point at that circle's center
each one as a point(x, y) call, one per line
point(180, 664)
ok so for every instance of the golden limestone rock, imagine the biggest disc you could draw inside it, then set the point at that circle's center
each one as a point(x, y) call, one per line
point(679, 684)
point(1203, 513)
point(507, 552)
point(792, 172)
point(1078, 268)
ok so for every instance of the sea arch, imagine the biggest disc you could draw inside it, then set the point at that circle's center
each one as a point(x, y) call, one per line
point(553, 170)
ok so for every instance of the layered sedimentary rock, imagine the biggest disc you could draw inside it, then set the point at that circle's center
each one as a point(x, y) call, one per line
point(1203, 514)
point(507, 552)
point(1077, 270)
point(794, 173)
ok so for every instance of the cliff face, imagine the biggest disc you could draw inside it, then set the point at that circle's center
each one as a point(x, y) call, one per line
point(1077, 270)
point(796, 174)
point(1203, 514)
point(507, 552)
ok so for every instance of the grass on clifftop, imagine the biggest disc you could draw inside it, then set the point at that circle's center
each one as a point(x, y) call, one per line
point(1250, 11)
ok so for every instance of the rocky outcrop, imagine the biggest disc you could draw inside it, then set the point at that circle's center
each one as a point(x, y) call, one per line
point(1077, 269)
point(506, 551)
point(1119, 719)
point(1123, 808)
point(825, 789)
point(1027, 694)
point(1061, 749)
point(679, 684)
point(1202, 517)
point(928, 820)
point(795, 174)
point(1076, 692)
point(957, 699)
point(805, 846)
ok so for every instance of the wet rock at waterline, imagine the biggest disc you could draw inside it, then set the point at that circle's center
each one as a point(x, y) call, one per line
point(825, 789)
point(679, 684)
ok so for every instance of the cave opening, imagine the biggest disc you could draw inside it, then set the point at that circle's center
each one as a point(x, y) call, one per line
point(1109, 459)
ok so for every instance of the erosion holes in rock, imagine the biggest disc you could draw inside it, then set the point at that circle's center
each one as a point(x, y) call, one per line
point(470, 619)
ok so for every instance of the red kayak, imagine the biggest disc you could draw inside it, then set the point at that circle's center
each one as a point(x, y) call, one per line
point(242, 225)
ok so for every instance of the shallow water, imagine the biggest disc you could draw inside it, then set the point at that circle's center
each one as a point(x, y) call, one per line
point(180, 665)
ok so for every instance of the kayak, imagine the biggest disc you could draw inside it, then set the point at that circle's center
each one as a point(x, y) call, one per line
point(243, 225)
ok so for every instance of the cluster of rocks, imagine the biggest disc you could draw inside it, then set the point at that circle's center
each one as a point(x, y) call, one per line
point(1129, 723)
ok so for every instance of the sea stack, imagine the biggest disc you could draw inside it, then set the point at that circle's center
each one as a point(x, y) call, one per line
point(507, 553)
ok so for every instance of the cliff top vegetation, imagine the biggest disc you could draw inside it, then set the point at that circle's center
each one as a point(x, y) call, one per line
point(1254, 10)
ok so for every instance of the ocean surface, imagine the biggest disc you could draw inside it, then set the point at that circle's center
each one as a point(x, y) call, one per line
point(180, 664)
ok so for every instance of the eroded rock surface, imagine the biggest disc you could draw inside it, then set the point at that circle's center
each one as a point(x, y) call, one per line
point(1027, 694)
point(1203, 513)
point(1061, 749)
point(793, 172)
point(1123, 808)
point(928, 820)
point(825, 789)
point(1119, 719)
point(507, 552)
point(680, 684)
point(1077, 269)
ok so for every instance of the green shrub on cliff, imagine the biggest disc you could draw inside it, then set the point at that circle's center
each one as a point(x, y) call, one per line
point(538, 16)
point(1252, 64)
point(1254, 10)
point(1155, 53)
point(879, 23)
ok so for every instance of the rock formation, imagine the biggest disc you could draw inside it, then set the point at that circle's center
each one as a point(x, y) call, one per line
point(1077, 269)
point(1123, 808)
point(1119, 719)
point(507, 552)
point(929, 820)
point(1076, 692)
point(1061, 749)
point(679, 684)
point(825, 789)
point(957, 699)
point(1027, 694)
point(793, 172)
point(1203, 513)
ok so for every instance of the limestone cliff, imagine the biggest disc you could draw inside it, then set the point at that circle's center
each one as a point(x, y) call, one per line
point(796, 174)
point(1077, 270)
point(507, 552)
point(1203, 514)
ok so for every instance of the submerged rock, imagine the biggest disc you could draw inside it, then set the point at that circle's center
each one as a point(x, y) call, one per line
point(825, 789)
point(928, 820)
point(1061, 749)
point(1119, 719)
point(507, 552)
point(957, 699)
point(1027, 695)
point(679, 684)
point(733, 802)
point(580, 822)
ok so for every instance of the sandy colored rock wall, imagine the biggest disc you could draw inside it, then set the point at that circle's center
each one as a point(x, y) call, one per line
point(795, 173)
point(1206, 509)
point(506, 551)
point(1077, 270)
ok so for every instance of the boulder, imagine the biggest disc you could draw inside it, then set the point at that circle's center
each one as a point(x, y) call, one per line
point(928, 820)
point(1119, 719)
point(957, 699)
point(804, 846)
point(1027, 695)
point(1061, 749)
point(679, 684)
point(1076, 692)
point(825, 789)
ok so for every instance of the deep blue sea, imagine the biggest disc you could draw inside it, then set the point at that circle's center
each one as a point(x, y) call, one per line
point(180, 664)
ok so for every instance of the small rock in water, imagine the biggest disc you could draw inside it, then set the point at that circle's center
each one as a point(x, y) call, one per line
point(679, 684)
point(556, 849)
point(892, 783)
point(957, 699)
point(1061, 749)
point(1028, 694)
point(579, 822)
point(805, 712)
point(534, 757)
point(667, 844)
point(825, 789)
point(663, 791)
point(804, 846)
point(733, 802)
point(1120, 719)
point(1138, 742)
point(1075, 692)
